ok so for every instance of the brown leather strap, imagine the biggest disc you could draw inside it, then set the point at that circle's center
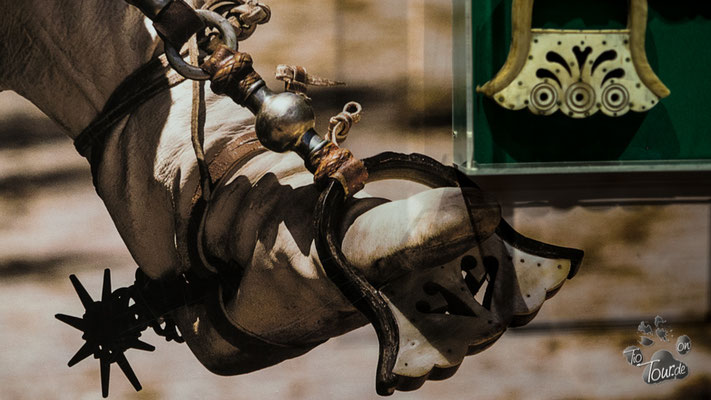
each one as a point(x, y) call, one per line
point(271, 353)
point(232, 157)
point(197, 122)
point(139, 87)
point(177, 22)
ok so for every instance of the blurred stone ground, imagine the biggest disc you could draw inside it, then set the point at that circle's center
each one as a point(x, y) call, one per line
point(641, 260)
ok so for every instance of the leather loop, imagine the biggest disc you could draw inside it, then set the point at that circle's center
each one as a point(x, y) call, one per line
point(177, 22)
point(233, 156)
point(139, 87)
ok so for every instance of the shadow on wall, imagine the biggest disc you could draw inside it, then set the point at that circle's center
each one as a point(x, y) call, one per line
point(18, 131)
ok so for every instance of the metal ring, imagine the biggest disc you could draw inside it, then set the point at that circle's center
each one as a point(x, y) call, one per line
point(229, 36)
point(615, 97)
point(580, 97)
point(544, 97)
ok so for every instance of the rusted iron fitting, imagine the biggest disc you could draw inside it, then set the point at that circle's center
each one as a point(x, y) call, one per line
point(294, 77)
point(297, 80)
point(284, 121)
point(244, 15)
point(336, 162)
point(339, 125)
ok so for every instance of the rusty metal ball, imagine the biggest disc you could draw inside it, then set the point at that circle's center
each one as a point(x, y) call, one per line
point(282, 119)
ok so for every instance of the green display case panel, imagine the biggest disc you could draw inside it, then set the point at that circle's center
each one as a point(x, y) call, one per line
point(673, 135)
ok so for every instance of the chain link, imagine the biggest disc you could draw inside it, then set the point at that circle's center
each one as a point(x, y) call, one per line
point(340, 125)
point(244, 15)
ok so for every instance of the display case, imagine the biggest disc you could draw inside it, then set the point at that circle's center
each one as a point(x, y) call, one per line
point(666, 130)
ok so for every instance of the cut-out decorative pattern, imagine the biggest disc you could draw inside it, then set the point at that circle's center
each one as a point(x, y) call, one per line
point(461, 308)
point(578, 73)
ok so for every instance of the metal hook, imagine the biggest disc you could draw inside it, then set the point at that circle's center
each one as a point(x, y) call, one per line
point(229, 36)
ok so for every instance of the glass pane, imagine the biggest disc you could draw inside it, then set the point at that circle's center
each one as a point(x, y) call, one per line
point(673, 135)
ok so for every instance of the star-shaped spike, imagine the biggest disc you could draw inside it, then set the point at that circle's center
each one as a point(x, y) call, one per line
point(84, 296)
point(84, 351)
point(128, 371)
point(74, 322)
point(106, 287)
point(141, 345)
point(105, 367)
point(110, 328)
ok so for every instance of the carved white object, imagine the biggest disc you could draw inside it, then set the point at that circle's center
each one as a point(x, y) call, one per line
point(578, 72)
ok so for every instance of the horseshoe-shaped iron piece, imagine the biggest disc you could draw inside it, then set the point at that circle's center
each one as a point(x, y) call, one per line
point(429, 320)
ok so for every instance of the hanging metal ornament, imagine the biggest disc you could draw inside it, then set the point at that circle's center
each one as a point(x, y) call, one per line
point(578, 72)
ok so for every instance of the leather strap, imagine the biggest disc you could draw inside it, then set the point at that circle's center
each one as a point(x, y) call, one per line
point(241, 338)
point(177, 22)
point(232, 157)
point(139, 87)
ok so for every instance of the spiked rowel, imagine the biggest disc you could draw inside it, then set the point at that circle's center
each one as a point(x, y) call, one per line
point(111, 326)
